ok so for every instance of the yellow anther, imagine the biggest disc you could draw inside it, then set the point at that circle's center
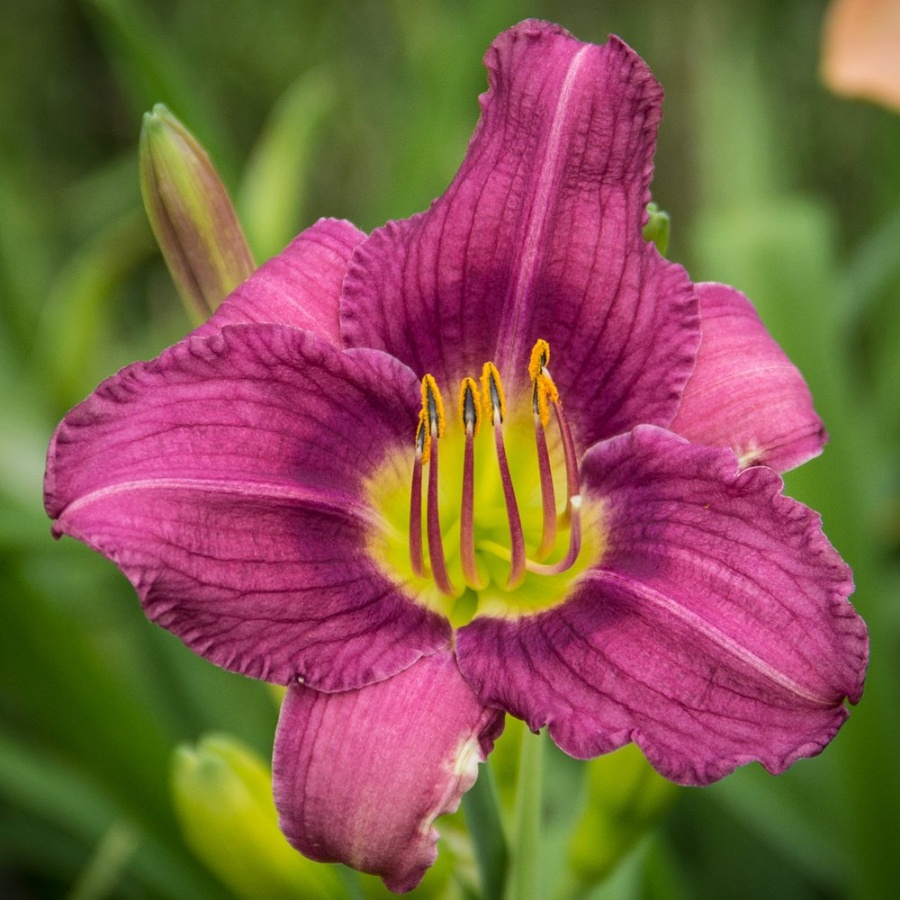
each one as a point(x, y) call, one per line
point(432, 406)
point(544, 392)
point(423, 439)
point(540, 356)
point(492, 398)
point(470, 405)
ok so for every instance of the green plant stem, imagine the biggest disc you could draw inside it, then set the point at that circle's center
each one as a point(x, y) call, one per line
point(522, 883)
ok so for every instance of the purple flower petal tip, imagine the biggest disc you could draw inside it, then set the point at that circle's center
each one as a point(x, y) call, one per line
point(360, 777)
point(540, 236)
point(745, 393)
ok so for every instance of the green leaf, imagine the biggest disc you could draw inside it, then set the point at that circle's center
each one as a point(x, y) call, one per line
point(273, 189)
point(625, 799)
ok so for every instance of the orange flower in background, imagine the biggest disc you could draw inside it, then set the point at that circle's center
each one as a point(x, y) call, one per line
point(861, 50)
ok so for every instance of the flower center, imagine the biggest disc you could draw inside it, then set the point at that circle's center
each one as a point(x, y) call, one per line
point(499, 540)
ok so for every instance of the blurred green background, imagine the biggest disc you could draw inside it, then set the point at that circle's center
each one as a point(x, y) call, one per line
point(363, 110)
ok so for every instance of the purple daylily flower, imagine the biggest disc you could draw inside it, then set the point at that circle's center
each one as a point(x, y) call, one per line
point(607, 552)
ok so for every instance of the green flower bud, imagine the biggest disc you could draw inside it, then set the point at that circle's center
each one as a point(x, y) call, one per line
point(657, 228)
point(222, 794)
point(191, 215)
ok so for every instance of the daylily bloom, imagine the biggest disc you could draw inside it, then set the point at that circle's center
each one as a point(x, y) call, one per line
point(499, 457)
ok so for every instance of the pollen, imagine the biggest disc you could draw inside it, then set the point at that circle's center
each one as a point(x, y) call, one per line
point(544, 393)
point(432, 406)
point(423, 439)
point(470, 408)
point(540, 356)
point(492, 394)
point(543, 390)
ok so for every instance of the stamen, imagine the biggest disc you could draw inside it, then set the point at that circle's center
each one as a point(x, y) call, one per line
point(495, 406)
point(415, 501)
point(572, 485)
point(548, 494)
point(573, 496)
point(470, 414)
point(432, 408)
point(429, 429)
point(543, 390)
point(492, 394)
point(545, 394)
point(476, 402)
point(571, 556)
point(540, 356)
point(435, 539)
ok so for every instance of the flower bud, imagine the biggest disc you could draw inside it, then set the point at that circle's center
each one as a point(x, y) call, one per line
point(223, 798)
point(191, 215)
point(657, 228)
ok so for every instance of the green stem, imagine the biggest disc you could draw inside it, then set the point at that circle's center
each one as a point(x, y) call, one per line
point(522, 884)
point(104, 870)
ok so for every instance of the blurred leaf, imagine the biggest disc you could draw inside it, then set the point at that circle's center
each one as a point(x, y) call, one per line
point(50, 789)
point(871, 310)
point(53, 793)
point(152, 68)
point(795, 817)
point(77, 703)
point(76, 317)
point(26, 260)
point(526, 833)
point(273, 190)
point(625, 799)
point(103, 873)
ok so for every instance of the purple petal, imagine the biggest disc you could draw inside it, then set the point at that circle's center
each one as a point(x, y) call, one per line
point(359, 777)
point(300, 287)
point(745, 393)
point(715, 630)
point(225, 479)
point(539, 236)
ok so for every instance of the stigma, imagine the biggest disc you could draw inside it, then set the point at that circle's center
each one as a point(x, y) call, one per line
point(482, 406)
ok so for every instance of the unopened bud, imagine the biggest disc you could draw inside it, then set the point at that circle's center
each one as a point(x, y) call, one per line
point(191, 215)
point(223, 798)
point(657, 228)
